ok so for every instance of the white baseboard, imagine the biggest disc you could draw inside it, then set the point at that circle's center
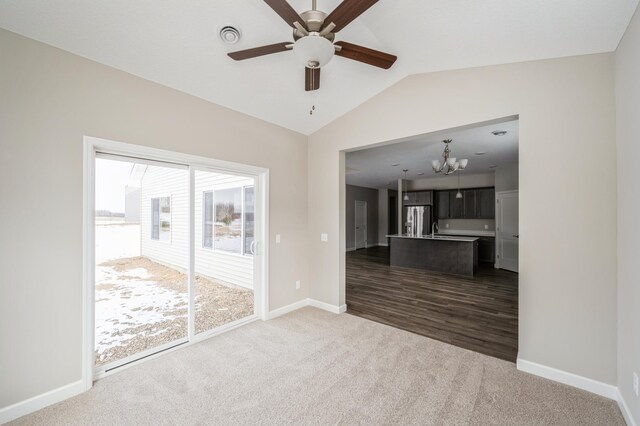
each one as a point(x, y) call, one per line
point(351, 249)
point(626, 413)
point(307, 302)
point(41, 401)
point(383, 244)
point(289, 308)
point(327, 307)
point(584, 383)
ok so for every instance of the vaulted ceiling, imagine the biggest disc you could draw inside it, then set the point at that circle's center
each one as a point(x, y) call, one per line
point(176, 43)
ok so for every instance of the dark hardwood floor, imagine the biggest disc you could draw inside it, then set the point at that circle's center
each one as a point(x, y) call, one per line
point(479, 313)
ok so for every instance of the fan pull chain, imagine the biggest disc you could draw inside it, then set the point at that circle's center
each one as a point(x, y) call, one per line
point(313, 102)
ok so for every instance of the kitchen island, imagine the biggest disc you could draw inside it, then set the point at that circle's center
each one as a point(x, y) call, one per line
point(449, 254)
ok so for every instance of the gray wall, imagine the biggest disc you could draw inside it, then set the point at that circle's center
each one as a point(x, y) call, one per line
point(627, 72)
point(50, 100)
point(371, 197)
point(507, 178)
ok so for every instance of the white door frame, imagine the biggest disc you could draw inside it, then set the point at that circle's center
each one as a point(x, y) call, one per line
point(355, 225)
point(93, 145)
point(498, 219)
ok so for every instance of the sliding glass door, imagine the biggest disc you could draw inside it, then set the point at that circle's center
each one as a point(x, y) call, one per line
point(141, 259)
point(224, 249)
point(175, 255)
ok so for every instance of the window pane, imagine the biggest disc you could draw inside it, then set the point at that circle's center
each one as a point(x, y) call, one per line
point(249, 209)
point(207, 226)
point(228, 220)
point(165, 219)
point(155, 218)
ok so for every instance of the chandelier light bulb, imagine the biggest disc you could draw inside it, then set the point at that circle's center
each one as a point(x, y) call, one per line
point(435, 164)
point(463, 163)
point(451, 161)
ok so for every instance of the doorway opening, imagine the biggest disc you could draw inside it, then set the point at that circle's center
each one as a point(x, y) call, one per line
point(173, 251)
point(446, 259)
point(361, 225)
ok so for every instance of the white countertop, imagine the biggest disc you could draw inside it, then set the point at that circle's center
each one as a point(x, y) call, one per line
point(470, 233)
point(436, 238)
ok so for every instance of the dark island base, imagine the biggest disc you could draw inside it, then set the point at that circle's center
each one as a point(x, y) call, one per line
point(452, 257)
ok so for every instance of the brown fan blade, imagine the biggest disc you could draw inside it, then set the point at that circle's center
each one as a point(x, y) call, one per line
point(286, 12)
point(311, 79)
point(366, 55)
point(347, 11)
point(259, 51)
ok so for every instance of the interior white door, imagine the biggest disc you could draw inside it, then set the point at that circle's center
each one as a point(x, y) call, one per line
point(507, 233)
point(361, 224)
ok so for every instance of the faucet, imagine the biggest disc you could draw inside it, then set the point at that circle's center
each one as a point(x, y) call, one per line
point(433, 229)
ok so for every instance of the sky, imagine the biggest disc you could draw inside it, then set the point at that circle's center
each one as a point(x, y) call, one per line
point(111, 178)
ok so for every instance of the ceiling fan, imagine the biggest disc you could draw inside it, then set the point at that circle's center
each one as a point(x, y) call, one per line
point(314, 32)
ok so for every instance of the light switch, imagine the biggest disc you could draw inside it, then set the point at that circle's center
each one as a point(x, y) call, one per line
point(277, 238)
point(324, 237)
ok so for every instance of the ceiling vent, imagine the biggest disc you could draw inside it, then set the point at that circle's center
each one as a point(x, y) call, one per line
point(229, 34)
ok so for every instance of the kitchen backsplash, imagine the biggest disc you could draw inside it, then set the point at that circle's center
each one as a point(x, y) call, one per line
point(467, 224)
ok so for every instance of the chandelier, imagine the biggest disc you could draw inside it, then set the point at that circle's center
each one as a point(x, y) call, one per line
point(450, 164)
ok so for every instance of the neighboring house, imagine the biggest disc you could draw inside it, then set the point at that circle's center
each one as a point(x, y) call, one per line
point(224, 215)
point(131, 204)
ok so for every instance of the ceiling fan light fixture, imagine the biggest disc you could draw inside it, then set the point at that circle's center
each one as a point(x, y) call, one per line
point(314, 51)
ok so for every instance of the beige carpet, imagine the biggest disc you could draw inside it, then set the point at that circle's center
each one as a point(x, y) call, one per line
point(312, 367)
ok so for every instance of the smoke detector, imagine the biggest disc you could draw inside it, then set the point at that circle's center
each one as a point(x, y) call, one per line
point(229, 34)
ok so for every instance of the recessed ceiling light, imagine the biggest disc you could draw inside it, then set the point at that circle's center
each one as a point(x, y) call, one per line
point(420, 174)
point(493, 166)
point(481, 152)
point(229, 34)
point(499, 132)
point(395, 165)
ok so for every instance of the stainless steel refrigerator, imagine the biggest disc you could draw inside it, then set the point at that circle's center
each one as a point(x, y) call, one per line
point(417, 220)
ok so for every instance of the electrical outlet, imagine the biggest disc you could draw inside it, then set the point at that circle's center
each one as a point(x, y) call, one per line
point(635, 383)
point(298, 285)
point(277, 238)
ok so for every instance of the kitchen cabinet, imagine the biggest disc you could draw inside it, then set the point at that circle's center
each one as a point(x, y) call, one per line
point(476, 203)
point(418, 198)
point(469, 198)
point(456, 206)
point(442, 204)
point(487, 249)
point(486, 203)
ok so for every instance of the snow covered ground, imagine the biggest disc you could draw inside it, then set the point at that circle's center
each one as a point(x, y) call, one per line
point(141, 304)
point(133, 312)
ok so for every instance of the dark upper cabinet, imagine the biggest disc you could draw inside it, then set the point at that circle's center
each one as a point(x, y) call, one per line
point(418, 198)
point(442, 204)
point(486, 204)
point(456, 206)
point(474, 204)
point(469, 197)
